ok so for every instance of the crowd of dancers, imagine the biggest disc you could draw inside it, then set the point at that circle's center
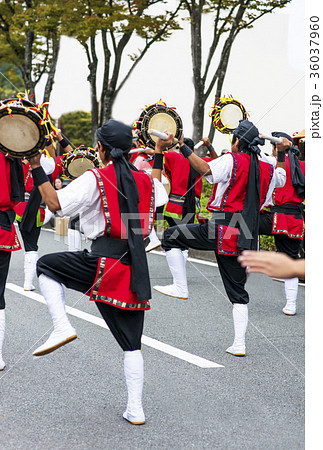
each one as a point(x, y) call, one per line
point(116, 207)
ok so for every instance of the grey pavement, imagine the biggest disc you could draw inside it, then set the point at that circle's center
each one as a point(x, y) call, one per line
point(74, 398)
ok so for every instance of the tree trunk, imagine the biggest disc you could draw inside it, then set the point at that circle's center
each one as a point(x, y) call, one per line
point(105, 84)
point(53, 65)
point(27, 66)
point(93, 66)
point(199, 100)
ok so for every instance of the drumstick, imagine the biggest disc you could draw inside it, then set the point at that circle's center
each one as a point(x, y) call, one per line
point(161, 135)
point(268, 137)
point(198, 145)
point(140, 149)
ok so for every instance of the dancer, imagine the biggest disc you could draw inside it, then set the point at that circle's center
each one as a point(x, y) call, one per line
point(242, 185)
point(11, 192)
point(285, 220)
point(30, 215)
point(116, 207)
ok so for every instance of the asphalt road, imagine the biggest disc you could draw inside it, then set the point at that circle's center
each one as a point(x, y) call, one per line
point(74, 398)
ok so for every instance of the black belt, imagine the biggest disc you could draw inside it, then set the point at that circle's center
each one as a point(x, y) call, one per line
point(289, 210)
point(111, 248)
point(7, 218)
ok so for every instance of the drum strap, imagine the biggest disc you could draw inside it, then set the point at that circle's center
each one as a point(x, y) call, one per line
point(111, 248)
point(7, 218)
point(189, 202)
point(17, 180)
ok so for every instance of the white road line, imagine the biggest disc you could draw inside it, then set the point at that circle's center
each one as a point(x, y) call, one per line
point(150, 342)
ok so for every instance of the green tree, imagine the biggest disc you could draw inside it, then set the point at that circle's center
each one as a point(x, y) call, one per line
point(115, 22)
point(10, 81)
point(230, 17)
point(76, 126)
point(29, 39)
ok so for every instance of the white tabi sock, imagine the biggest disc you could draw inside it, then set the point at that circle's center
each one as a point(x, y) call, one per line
point(134, 373)
point(2, 332)
point(240, 322)
point(291, 290)
point(177, 265)
point(63, 333)
point(31, 259)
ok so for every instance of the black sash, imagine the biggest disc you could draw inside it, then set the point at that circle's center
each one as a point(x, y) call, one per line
point(111, 248)
point(289, 210)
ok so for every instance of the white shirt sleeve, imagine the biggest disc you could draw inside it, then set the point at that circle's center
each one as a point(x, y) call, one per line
point(161, 197)
point(48, 164)
point(80, 195)
point(269, 159)
point(279, 177)
point(221, 169)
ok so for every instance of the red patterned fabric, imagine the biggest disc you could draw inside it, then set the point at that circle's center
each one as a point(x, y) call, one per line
point(287, 223)
point(8, 239)
point(113, 280)
point(234, 197)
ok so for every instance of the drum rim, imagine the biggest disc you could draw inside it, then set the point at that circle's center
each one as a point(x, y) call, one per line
point(142, 128)
point(72, 156)
point(35, 116)
point(217, 108)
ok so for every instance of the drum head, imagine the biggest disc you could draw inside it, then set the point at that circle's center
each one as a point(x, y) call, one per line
point(77, 167)
point(226, 115)
point(160, 118)
point(22, 135)
point(230, 116)
point(18, 133)
point(79, 161)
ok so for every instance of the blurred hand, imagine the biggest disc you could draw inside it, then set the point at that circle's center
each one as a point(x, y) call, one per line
point(284, 145)
point(35, 161)
point(273, 264)
point(162, 144)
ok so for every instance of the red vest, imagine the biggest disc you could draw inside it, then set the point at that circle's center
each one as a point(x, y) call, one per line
point(8, 239)
point(113, 281)
point(234, 197)
point(287, 223)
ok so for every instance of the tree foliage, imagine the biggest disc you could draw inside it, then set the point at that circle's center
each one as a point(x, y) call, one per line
point(10, 81)
point(76, 126)
point(29, 39)
point(229, 17)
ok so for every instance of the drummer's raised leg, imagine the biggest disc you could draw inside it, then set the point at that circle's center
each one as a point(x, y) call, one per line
point(176, 241)
point(76, 270)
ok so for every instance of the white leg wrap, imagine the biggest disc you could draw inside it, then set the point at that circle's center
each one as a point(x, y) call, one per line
point(134, 373)
point(291, 290)
point(154, 242)
point(240, 322)
point(2, 333)
point(31, 259)
point(177, 265)
point(63, 331)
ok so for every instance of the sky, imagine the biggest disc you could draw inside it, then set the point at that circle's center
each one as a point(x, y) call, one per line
point(265, 73)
